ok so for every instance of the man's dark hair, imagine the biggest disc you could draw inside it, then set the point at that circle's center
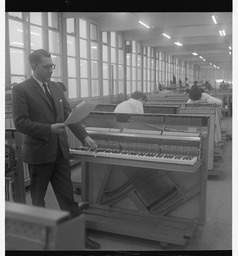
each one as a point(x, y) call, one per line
point(139, 95)
point(195, 93)
point(35, 57)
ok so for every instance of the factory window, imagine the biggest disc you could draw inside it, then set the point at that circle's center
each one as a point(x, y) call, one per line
point(105, 64)
point(54, 44)
point(26, 32)
point(72, 79)
point(82, 28)
point(36, 37)
point(16, 52)
point(83, 60)
point(148, 72)
point(53, 20)
point(133, 62)
point(36, 18)
point(15, 14)
point(94, 56)
point(113, 63)
point(70, 26)
point(93, 32)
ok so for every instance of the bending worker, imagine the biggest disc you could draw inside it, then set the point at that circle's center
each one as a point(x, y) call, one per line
point(134, 105)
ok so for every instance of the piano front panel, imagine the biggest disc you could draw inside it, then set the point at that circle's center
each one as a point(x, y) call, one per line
point(151, 191)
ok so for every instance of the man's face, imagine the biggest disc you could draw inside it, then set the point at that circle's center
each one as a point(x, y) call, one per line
point(43, 70)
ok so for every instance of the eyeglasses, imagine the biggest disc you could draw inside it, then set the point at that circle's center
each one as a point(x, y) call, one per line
point(48, 67)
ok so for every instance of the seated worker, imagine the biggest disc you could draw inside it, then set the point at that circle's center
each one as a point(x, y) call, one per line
point(134, 105)
point(197, 96)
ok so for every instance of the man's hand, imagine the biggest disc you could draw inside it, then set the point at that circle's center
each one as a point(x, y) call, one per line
point(90, 142)
point(58, 127)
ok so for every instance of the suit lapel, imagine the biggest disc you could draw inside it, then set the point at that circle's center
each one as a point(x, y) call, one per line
point(42, 93)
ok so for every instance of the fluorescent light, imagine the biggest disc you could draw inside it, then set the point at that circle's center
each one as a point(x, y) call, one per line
point(210, 64)
point(229, 52)
point(203, 59)
point(214, 19)
point(142, 23)
point(215, 66)
point(178, 43)
point(230, 47)
point(200, 57)
point(222, 32)
point(166, 36)
point(194, 53)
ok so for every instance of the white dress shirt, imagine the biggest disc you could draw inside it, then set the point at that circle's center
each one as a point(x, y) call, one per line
point(41, 84)
point(130, 106)
point(206, 98)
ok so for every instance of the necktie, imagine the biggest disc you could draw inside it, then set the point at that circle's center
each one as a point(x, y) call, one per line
point(49, 95)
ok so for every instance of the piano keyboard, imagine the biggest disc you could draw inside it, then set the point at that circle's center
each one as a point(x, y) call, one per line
point(140, 156)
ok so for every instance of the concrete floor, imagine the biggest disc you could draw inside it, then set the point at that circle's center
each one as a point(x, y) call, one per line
point(216, 234)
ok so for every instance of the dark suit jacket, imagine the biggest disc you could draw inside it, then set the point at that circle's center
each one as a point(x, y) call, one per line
point(33, 115)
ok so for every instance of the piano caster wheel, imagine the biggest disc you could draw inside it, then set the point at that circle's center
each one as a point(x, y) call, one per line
point(163, 245)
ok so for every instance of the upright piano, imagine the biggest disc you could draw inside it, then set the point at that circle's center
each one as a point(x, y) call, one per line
point(143, 180)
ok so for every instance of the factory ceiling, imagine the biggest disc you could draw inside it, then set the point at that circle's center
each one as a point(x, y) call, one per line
point(196, 31)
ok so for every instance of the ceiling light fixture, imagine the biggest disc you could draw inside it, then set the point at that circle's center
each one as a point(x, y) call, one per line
point(230, 47)
point(178, 43)
point(229, 52)
point(214, 19)
point(222, 32)
point(194, 53)
point(142, 23)
point(210, 64)
point(166, 36)
point(200, 57)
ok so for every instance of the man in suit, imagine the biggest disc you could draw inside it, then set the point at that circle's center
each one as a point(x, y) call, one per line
point(39, 110)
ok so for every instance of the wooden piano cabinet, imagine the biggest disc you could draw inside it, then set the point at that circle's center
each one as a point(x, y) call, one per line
point(161, 202)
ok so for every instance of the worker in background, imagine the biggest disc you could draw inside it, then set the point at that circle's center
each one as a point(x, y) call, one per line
point(197, 96)
point(207, 86)
point(134, 105)
point(39, 110)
